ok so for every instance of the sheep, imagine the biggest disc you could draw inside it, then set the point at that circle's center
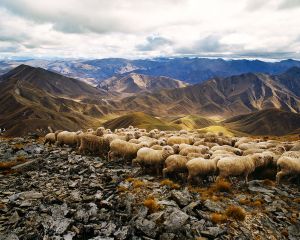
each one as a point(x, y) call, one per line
point(136, 141)
point(193, 149)
point(51, 138)
point(295, 147)
point(184, 145)
point(93, 144)
point(100, 131)
point(200, 167)
point(196, 155)
point(288, 164)
point(113, 136)
point(175, 164)
point(176, 148)
point(156, 147)
point(227, 148)
point(68, 138)
point(124, 148)
point(147, 157)
point(252, 151)
point(178, 140)
point(239, 165)
point(241, 141)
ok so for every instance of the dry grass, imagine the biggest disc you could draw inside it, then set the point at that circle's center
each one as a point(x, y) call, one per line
point(130, 179)
point(122, 189)
point(268, 182)
point(169, 183)
point(151, 204)
point(222, 185)
point(235, 212)
point(285, 233)
point(297, 200)
point(256, 203)
point(10, 164)
point(218, 218)
point(244, 201)
point(138, 183)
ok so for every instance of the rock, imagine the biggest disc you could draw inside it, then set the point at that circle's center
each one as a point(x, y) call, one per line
point(294, 230)
point(213, 232)
point(258, 186)
point(168, 203)
point(213, 206)
point(122, 233)
point(167, 236)
point(175, 220)
point(182, 198)
point(14, 218)
point(146, 226)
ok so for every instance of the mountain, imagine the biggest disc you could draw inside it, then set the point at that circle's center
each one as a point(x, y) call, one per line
point(140, 120)
point(134, 83)
point(33, 99)
point(221, 97)
point(190, 122)
point(190, 70)
point(266, 122)
point(291, 80)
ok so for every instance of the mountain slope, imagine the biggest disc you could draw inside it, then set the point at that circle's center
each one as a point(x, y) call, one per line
point(219, 97)
point(33, 99)
point(190, 122)
point(265, 122)
point(140, 120)
point(134, 83)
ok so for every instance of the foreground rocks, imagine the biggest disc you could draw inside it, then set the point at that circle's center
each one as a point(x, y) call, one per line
point(53, 193)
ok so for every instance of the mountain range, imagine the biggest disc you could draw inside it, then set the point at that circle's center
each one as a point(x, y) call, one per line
point(34, 98)
point(190, 70)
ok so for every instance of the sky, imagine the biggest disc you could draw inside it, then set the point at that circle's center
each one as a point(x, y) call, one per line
point(262, 29)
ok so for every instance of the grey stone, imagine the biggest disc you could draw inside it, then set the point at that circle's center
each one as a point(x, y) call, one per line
point(182, 198)
point(213, 232)
point(175, 220)
point(146, 226)
point(213, 206)
point(122, 233)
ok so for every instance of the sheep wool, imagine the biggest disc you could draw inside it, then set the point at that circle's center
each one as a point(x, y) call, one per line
point(93, 144)
point(288, 164)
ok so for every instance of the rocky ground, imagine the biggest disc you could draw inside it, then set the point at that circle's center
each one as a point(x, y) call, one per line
point(53, 193)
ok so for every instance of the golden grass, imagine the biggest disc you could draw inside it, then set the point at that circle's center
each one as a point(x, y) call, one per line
point(152, 204)
point(269, 182)
point(235, 212)
point(122, 189)
point(10, 164)
point(218, 218)
point(138, 183)
point(169, 183)
point(218, 130)
point(244, 201)
point(222, 185)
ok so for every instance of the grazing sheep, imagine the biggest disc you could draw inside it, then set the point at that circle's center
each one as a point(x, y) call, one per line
point(68, 138)
point(288, 164)
point(153, 159)
point(194, 149)
point(113, 136)
point(252, 151)
point(295, 147)
point(239, 165)
point(200, 167)
point(178, 140)
point(93, 144)
point(227, 148)
point(51, 138)
point(136, 141)
point(125, 149)
point(176, 148)
point(197, 155)
point(100, 131)
point(156, 147)
point(175, 164)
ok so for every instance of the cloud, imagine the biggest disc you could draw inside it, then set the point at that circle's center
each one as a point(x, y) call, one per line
point(289, 4)
point(153, 43)
point(140, 29)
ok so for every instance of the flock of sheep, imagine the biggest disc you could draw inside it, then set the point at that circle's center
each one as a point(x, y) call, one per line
point(196, 153)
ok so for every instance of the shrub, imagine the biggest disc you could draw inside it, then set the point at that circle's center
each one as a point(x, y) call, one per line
point(218, 218)
point(222, 185)
point(235, 212)
point(169, 183)
point(151, 204)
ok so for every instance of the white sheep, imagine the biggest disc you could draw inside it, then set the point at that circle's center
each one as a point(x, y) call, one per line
point(288, 164)
point(51, 138)
point(227, 148)
point(125, 149)
point(194, 149)
point(239, 165)
point(68, 138)
point(179, 139)
point(93, 144)
point(153, 159)
point(200, 167)
point(175, 164)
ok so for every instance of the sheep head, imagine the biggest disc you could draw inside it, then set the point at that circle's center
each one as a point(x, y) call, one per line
point(167, 151)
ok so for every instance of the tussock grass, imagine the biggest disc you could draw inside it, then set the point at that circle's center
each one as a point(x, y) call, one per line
point(152, 204)
point(218, 218)
point(169, 183)
point(222, 185)
point(235, 212)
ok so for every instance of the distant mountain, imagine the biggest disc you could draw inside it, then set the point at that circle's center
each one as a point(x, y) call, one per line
point(220, 97)
point(266, 122)
point(33, 99)
point(135, 83)
point(190, 70)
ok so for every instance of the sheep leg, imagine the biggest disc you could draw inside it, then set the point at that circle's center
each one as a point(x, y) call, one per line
point(279, 176)
point(46, 141)
point(108, 156)
point(164, 171)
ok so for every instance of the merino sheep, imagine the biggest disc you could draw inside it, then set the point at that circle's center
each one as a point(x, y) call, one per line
point(178, 140)
point(288, 164)
point(125, 149)
point(147, 157)
point(68, 138)
point(227, 148)
point(175, 164)
point(194, 149)
point(156, 147)
point(51, 138)
point(93, 144)
point(239, 165)
point(200, 167)
point(197, 155)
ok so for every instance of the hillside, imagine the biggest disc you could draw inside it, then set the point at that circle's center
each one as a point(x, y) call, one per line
point(190, 122)
point(223, 97)
point(140, 120)
point(134, 83)
point(33, 99)
point(266, 122)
